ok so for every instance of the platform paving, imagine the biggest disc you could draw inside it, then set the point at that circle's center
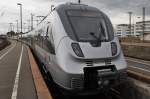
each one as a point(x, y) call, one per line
point(9, 62)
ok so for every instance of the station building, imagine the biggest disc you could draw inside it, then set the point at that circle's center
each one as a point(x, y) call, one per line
point(139, 29)
point(123, 30)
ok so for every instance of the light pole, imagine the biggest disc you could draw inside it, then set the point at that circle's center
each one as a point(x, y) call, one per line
point(130, 25)
point(17, 26)
point(79, 1)
point(17, 29)
point(10, 27)
point(32, 21)
point(143, 23)
point(20, 17)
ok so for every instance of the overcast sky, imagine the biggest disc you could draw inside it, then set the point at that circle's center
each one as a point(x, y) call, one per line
point(117, 10)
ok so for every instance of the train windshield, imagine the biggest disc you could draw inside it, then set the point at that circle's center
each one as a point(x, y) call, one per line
point(88, 25)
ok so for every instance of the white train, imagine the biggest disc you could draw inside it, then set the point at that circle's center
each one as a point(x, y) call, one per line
point(77, 46)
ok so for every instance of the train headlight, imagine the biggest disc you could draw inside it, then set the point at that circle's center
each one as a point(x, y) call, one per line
point(76, 48)
point(113, 48)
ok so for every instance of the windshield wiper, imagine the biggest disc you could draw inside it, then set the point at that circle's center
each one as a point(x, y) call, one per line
point(93, 35)
point(102, 31)
point(97, 43)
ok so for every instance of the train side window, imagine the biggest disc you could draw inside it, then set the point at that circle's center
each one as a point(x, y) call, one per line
point(47, 30)
point(51, 41)
point(40, 36)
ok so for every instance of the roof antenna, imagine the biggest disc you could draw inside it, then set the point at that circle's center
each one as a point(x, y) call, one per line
point(79, 1)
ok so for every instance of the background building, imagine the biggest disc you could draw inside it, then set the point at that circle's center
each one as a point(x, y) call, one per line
point(139, 29)
point(122, 30)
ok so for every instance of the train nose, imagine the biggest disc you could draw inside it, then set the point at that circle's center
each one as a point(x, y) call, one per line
point(90, 52)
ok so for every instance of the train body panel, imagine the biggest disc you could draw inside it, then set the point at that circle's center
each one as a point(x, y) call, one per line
point(76, 43)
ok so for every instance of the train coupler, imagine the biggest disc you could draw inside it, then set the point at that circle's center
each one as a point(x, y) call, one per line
point(100, 76)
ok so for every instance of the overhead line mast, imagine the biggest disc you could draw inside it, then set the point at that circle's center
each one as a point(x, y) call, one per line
point(143, 27)
point(79, 1)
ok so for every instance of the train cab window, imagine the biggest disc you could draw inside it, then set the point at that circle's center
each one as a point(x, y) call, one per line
point(85, 23)
point(80, 21)
point(47, 32)
point(50, 41)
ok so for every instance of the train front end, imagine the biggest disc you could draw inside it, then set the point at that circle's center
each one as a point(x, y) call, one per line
point(92, 59)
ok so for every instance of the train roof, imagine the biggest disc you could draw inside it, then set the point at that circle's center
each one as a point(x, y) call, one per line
point(75, 6)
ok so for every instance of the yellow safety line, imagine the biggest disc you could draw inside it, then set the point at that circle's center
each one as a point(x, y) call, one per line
point(41, 88)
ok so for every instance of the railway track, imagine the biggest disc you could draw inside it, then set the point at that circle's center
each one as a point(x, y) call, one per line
point(139, 69)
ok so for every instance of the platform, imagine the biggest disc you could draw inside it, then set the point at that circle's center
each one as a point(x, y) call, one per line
point(16, 75)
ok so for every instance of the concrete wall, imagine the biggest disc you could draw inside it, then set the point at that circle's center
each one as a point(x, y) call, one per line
point(130, 39)
point(136, 39)
point(147, 37)
point(136, 51)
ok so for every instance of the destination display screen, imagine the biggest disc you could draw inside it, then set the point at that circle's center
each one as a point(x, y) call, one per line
point(83, 13)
